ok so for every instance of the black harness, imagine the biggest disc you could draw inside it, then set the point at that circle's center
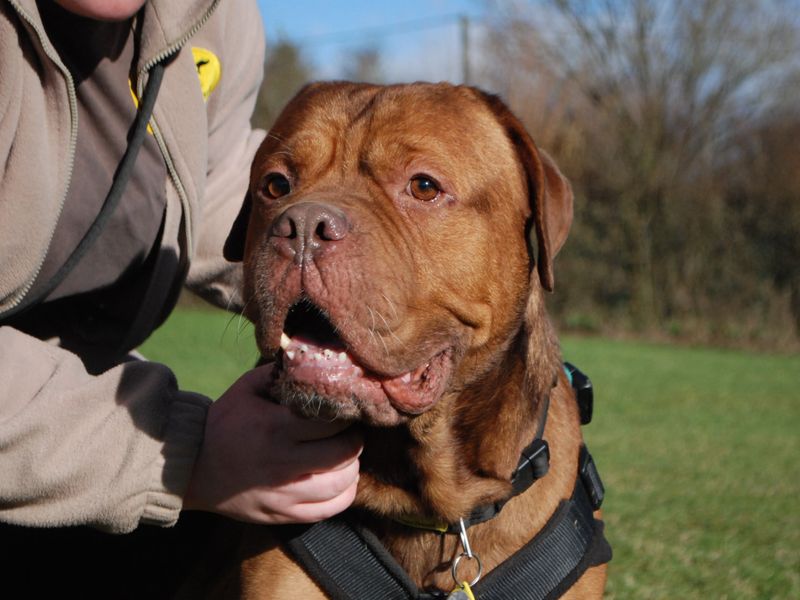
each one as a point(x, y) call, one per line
point(349, 562)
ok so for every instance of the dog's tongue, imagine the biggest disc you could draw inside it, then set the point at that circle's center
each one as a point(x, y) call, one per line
point(332, 370)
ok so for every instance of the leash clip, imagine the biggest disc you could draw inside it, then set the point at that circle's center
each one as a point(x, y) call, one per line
point(468, 554)
point(464, 539)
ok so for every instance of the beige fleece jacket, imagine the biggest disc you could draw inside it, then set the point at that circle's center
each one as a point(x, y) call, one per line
point(115, 450)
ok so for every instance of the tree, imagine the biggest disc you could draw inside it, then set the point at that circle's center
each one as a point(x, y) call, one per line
point(363, 65)
point(642, 102)
point(285, 72)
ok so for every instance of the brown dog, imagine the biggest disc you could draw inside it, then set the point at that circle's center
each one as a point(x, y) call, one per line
point(389, 274)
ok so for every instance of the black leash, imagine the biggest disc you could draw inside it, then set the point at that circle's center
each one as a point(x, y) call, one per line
point(121, 177)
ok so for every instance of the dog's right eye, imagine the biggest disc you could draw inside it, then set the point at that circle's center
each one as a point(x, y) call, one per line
point(423, 188)
point(276, 185)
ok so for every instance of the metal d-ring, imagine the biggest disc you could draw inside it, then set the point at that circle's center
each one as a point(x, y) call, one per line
point(468, 553)
point(454, 568)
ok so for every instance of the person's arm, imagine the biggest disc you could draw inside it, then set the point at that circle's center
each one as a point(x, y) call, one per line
point(232, 143)
point(116, 450)
point(109, 451)
point(121, 449)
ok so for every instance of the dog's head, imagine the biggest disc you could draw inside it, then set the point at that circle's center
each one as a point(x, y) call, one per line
point(392, 238)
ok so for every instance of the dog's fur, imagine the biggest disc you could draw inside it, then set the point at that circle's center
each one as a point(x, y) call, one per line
point(405, 281)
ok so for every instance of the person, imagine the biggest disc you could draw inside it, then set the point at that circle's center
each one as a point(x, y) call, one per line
point(90, 433)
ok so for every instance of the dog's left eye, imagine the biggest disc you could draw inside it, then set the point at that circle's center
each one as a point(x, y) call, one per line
point(423, 188)
point(276, 185)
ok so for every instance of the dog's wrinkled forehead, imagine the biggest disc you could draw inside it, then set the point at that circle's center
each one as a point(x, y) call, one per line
point(351, 137)
point(448, 128)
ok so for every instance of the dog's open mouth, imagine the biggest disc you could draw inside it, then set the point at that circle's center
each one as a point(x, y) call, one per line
point(322, 375)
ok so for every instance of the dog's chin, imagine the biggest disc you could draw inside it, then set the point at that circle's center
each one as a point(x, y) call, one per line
point(311, 404)
point(322, 383)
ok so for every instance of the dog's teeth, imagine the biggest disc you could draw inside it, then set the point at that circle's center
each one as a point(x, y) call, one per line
point(290, 355)
point(328, 354)
point(406, 378)
point(285, 341)
point(342, 356)
point(303, 348)
point(316, 356)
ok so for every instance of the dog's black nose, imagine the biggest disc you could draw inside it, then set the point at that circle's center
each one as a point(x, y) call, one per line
point(305, 231)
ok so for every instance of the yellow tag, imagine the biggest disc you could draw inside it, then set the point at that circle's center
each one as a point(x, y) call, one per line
point(209, 70)
point(462, 592)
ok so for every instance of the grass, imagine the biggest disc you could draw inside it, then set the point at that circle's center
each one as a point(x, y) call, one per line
point(698, 449)
point(207, 350)
point(699, 452)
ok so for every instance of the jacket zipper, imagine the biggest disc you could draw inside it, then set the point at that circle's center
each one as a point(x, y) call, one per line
point(73, 108)
point(173, 173)
point(73, 136)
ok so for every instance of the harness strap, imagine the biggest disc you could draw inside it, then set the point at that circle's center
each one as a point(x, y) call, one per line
point(350, 563)
point(548, 565)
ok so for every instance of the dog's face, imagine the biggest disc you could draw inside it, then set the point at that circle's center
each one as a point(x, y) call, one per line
point(385, 244)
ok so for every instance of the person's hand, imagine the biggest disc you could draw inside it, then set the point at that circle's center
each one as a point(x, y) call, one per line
point(262, 464)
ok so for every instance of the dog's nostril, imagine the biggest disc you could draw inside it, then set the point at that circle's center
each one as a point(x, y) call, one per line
point(331, 227)
point(285, 227)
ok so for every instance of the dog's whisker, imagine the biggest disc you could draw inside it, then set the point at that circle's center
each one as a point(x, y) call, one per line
point(390, 329)
point(372, 317)
point(391, 305)
point(383, 343)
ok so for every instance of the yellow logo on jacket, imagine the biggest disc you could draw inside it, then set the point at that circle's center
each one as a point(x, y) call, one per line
point(209, 70)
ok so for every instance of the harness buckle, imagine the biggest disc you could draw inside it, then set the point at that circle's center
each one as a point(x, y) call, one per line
point(533, 464)
point(591, 478)
point(584, 393)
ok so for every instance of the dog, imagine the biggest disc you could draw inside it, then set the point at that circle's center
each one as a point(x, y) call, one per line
point(397, 244)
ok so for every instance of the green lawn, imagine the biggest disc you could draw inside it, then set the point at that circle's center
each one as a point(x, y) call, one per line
point(206, 349)
point(698, 448)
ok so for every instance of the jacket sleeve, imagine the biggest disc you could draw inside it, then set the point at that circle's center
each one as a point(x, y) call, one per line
point(109, 451)
point(238, 37)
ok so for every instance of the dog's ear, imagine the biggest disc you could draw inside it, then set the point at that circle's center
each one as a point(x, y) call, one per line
point(550, 192)
point(234, 245)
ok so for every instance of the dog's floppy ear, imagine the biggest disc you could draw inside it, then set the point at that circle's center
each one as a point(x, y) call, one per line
point(550, 192)
point(234, 245)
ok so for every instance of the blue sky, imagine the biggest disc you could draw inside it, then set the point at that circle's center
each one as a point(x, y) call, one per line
point(425, 46)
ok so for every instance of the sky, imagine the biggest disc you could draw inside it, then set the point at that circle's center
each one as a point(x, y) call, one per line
point(417, 39)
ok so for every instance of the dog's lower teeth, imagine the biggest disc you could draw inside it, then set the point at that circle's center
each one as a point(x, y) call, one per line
point(290, 355)
point(406, 378)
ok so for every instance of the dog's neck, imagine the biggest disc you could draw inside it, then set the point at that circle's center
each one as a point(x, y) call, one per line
point(462, 454)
